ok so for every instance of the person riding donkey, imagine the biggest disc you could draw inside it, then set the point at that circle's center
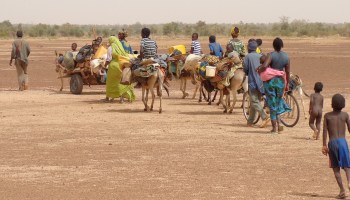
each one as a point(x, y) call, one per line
point(122, 35)
point(237, 43)
point(148, 70)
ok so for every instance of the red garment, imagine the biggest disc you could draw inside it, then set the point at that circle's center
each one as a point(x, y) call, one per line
point(270, 73)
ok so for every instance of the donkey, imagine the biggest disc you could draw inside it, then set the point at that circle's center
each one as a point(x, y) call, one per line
point(148, 83)
point(295, 85)
point(59, 69)
point(237, 82)
point(178, 62)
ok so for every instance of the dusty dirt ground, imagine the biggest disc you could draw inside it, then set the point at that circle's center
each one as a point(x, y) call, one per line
point(55, 145)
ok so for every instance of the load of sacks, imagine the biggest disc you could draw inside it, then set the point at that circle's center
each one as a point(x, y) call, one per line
point(85, 58)
point(137, 70)
point(211, 69)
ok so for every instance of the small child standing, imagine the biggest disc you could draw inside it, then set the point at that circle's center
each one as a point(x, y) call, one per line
point(74, 50)
point(258, 50)
point(195, 45)
point(334, 124)
point(229, 49)
point(315, 110)
point(215, 48)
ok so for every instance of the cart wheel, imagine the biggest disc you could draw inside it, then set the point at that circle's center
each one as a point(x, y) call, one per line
point(76, 84)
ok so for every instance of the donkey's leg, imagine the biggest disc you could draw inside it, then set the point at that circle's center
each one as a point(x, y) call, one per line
point(143, 98)
point(209, 98)
point(60, 73)
point(185, 94)
point(195, 91)
point(160, 102)
point(153, 97)
point(200, 92)
point(216, 92)
point(219, 102)
point(222, 100)
point(181, 87)
point(234, 98)
point(146, 99)
point(228, 98)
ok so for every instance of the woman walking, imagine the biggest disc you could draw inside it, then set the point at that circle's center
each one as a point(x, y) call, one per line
point(275, 87)
point(113, 87)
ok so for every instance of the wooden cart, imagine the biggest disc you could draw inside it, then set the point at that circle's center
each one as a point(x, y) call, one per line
point(83, 74)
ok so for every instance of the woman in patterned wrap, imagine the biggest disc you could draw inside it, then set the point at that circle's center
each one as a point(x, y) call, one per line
point(275, 87)
point(237, 43)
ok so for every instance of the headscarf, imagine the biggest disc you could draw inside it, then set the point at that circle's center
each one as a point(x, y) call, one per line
point(123, 32)
point(235, 31)
point(117, 46)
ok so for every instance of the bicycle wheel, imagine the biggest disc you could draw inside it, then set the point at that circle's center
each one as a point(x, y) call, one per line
point(246, 107)
point(290, 119)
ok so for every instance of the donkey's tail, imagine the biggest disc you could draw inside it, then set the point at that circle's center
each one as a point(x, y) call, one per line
point(306, 94)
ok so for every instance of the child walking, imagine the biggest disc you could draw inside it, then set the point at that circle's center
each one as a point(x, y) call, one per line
point(315, 110)
point(334, 124)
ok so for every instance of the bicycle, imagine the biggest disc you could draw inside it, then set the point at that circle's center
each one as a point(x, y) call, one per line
point(289, 119)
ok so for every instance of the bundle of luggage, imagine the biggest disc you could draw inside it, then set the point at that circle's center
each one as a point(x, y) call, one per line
point(71, 60)
point(214, 70)
point(84, 53)
point(141, 69)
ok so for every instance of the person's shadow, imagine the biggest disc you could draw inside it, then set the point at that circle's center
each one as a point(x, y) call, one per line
point(313, 195)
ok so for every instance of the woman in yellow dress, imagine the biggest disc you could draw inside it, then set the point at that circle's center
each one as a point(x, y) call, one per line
point(114, 89)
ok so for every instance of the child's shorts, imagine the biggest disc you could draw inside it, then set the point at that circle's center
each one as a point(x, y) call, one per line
point(338, 153)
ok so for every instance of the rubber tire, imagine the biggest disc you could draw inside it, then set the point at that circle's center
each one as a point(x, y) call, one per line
point(76, 84)
point(297, 112)
point(245, 107)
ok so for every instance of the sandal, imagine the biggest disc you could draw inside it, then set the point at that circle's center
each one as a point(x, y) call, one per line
point(341, 196)
point(280, 128)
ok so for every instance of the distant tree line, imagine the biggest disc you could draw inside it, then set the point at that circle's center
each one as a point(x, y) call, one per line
point(295, 28)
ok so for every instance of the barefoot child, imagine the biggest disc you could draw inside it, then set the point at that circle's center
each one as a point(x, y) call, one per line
point(334, 124)
point(315, 110)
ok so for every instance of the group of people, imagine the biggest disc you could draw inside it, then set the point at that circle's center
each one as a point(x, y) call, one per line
point(267, 75)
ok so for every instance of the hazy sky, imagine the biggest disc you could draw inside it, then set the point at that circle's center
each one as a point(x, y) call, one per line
point(164, 11)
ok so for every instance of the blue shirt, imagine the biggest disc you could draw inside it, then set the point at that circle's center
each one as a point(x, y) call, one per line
point(126, 47)
point(216, 48)
point(279, 60)
point(251, 63)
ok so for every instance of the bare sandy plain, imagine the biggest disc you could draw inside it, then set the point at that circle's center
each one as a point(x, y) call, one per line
point(56, 145)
